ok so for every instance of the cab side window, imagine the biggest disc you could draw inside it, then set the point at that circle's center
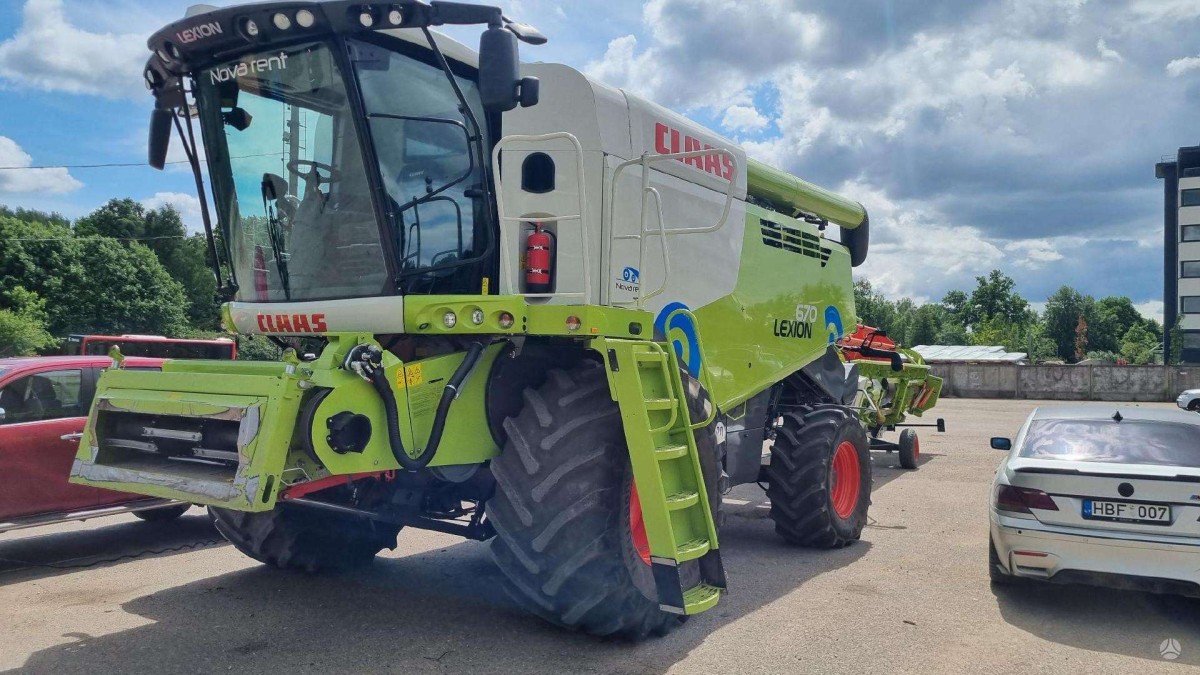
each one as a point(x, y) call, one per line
point(43, 396)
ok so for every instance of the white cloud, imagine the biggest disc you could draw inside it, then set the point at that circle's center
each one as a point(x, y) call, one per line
point(744, 118)
point(1032, 254)
point(20, 180)
point(1165, 10)
point(47, 52)
point(1151, 309)
point(187, 205)
point(1180, 66)
point(899, 263)
point(1108, 52)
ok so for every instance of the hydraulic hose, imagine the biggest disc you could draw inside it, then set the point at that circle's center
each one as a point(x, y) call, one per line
point(367, 361)
point(894, 357)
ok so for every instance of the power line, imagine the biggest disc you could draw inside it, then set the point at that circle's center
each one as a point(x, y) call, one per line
point(119, 164)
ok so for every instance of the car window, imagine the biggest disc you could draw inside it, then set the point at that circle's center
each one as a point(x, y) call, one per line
point(1126, 442)
point(42, 396)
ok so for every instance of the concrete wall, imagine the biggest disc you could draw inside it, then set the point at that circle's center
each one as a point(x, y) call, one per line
point(1066, 383)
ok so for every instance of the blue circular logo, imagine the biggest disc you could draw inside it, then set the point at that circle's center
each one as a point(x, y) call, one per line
point(681, 331)
point(833, 323)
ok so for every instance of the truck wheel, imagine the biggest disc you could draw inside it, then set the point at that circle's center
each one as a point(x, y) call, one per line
point(569, 534)
point(910, 449)
point(162, 515)
point(819, 479)
point(291, 537)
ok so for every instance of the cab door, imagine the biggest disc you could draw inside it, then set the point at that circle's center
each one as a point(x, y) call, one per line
point(44, 414)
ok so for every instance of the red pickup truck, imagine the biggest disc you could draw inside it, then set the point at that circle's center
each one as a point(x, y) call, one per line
point(44, 402)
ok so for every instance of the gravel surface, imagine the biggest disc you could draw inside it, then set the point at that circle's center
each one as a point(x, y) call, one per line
point(912, 596)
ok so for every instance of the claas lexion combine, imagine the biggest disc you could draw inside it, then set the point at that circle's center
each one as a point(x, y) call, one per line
point(533, 309)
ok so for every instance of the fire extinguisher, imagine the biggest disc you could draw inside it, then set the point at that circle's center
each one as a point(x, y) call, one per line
point(538, 261)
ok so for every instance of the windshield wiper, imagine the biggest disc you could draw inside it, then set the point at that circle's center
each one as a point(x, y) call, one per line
point(275, 234)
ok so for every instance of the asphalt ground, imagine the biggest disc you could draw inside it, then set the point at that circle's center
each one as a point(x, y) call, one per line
point(119, 595)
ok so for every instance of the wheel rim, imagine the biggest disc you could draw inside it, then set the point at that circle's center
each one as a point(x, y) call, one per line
point(845, 480)
point(637, 526)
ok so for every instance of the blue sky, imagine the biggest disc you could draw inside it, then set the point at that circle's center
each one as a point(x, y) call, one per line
point(1015, 134)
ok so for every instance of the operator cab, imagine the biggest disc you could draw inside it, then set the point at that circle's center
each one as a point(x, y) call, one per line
point(347, 154)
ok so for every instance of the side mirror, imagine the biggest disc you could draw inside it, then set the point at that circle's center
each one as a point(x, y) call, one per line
point(999, 443)
point(499, 69)
point(160, 136)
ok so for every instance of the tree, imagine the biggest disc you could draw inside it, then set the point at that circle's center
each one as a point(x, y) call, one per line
point(1114, 317)
point(995, 297)
point(1081, 339)
point(23, 327)
point(1139, 346)
point(1063, 311)
point(873, 309)
point(119, 219)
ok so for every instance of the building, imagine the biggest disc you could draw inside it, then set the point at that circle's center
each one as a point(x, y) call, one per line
point(1181, 249)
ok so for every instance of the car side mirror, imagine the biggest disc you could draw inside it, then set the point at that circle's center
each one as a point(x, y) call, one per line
point(999, 443)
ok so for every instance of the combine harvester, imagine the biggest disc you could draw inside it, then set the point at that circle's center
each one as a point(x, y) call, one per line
point(895, 383)
point(551, 314)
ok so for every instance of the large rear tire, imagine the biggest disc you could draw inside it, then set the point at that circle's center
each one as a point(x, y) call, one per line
point(567, 538)
point(819, 479)
point(292, 537)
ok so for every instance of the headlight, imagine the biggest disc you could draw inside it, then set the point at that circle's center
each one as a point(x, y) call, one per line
point(449, 319)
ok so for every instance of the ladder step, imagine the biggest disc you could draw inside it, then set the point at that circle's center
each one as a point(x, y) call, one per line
point(690, 550)
point(670, 452)
point(700, 598)
point(661, 403)
point(652, 358)
point(682, 500)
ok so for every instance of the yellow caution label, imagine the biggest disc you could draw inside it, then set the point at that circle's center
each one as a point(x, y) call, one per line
point(414, 375)
point(486, 282)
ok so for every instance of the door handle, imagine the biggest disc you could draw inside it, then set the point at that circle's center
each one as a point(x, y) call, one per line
point(72, 437)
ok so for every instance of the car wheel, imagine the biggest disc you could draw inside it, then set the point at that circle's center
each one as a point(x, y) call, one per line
point(1194, 406)
point(995, 572)
point(162, 515)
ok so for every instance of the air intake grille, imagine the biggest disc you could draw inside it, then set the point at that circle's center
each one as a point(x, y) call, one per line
point(794, 240)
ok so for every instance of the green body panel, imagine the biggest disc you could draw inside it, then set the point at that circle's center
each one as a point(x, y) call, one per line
point(263, 403)
point(754, 337)
point(265, 399)
point(784, 189)
point(889, 397)
point(644, 380)
point(423, 315)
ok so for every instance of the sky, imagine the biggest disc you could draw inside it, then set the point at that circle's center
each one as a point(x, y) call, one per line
point(980, 134)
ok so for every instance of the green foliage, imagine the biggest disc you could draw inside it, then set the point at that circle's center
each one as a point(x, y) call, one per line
point(257, 348)
point(1176, 356)
point(23, 326)
point(119, 219)
point(1063, 311)
point(1140, 346)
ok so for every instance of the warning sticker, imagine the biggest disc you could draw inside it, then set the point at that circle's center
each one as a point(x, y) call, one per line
point(414, 374)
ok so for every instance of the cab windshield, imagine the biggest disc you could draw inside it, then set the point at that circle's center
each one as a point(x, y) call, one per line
point(295, 196)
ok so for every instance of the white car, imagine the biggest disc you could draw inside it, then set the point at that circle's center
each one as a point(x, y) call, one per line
point(1100, 495)
point(1189, 400)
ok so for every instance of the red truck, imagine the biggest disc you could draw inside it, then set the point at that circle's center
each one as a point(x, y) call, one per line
point(44, 402)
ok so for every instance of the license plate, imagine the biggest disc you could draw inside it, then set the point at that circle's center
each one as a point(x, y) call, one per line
point(1126, 512)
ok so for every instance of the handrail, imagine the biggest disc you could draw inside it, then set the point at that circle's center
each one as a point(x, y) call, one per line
point(645, 161)
point(508, 279)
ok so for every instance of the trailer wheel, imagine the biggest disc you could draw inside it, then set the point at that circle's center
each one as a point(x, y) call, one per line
point(569, 535)
point(910, 449)
point(819, 479)
point(293, 537)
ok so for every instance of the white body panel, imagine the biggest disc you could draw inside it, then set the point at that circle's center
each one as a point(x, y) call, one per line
point(613, 127)
point(1188, 398)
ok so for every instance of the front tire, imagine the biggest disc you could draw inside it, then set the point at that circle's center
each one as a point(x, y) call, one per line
point(567, 537)
point(1194, 406)
point(294, 537)
point(162, 515)
point(819, 479)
